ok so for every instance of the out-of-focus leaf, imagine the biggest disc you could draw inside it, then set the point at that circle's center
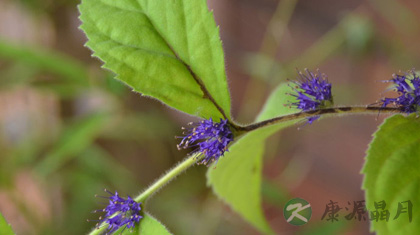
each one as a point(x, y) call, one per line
point(237, 176)
point(73, 141)
point(359, 30)
point(45, 60)
point(153, 46)
point(63, 90)
point(141, 126)
point(5, 228)
point(16, 73)
point(392, 174)
point(101, 164)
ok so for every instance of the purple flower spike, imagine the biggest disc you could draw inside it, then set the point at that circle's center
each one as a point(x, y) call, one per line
point(210, 138)
point(408, 88)
point(313, 92)
point(120, 213)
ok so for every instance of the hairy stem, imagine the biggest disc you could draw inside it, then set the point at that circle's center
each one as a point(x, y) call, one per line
point(319, 112)
point(168, 176)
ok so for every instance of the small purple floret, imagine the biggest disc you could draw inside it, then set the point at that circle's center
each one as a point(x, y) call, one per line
point(210, 138)
point(408, 88)
point(127, 213)
point(313, 92)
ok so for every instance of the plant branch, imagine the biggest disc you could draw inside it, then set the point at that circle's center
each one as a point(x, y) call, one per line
point(190, 161)
point(318, 112)
point(168, 176)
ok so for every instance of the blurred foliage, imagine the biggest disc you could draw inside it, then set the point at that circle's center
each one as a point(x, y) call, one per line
point(68, 129)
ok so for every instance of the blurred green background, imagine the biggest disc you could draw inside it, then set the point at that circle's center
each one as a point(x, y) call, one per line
point(68, 129)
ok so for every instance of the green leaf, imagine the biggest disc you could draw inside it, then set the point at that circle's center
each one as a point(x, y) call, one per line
point(392, 173)
point(237, 177)
point(5, 227)
point(147, 225)
point(154, 46)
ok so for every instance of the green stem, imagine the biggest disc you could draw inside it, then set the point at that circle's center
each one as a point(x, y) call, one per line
point(170, 175)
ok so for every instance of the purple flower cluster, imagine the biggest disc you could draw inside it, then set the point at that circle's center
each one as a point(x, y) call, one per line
point(408, 88)
point(313, 92)
point(210, 138)
point(120, 213)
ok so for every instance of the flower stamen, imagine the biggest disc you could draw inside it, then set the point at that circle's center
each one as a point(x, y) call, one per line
point(120, 213)
point(212, 139)
point(313, 92)
point(408, 88)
